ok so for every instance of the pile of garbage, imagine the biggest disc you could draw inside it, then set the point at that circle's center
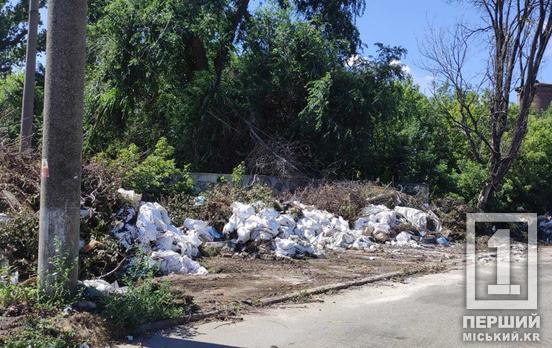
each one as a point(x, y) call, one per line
point(402, 226)
point(297, 231)
point(172, 248)
point(544, 224)
point(304, 230)
point(293, 230)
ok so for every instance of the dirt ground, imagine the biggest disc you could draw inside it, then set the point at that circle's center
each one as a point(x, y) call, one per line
point(235, 283)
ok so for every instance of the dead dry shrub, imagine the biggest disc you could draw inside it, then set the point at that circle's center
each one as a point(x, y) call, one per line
point(453, 216)
point(19, 243)
point(19, 199)
point(217, 206)
point(19, 179)
point(347, 198)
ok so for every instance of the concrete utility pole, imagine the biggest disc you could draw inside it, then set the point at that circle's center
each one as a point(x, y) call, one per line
point(62, 141)
point(27, 112)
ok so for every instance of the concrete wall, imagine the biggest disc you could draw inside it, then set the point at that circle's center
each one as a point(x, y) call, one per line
point(203, 180)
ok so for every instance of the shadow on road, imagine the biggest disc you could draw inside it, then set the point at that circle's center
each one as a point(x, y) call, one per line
point(169, 342)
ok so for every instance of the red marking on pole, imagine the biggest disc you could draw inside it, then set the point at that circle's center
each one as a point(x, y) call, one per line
point(44, 171)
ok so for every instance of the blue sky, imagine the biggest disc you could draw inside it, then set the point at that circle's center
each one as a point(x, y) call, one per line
point(405, 23)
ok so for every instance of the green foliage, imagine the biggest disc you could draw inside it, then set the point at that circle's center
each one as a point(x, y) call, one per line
point(41, 333)
point(532, 173)
point(468, 180)
point(157, 174)
point(238, 173)
point(13, 29)
point(59, 294)
point(141, 267)
point(141, 304)
point(153, 176)
point(14, 293)
point(11, 94)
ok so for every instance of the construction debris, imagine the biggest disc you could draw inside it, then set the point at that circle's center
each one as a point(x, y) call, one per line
point(294, 230)
point(153, 233)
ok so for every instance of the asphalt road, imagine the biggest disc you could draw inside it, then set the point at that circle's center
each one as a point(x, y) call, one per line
point(423, 311)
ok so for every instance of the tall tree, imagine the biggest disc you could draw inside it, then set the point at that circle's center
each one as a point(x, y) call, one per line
point(27, 111)
point(518, 32)
point(62, 145)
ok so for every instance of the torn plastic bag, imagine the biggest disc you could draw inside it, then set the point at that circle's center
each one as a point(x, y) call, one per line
point(420, 219)
point(102, 287)
point(362, 243)
point(4, 218)
point(293, 247)
point(403, 237)
point(130, 197)
point(201, 228)
point(172, 262)
point(153, 220)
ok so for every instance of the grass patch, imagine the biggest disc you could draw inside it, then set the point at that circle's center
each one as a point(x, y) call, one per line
point(38, 332)
point(143, 303)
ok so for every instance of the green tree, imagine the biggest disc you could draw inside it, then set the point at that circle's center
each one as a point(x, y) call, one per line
point(13, 32)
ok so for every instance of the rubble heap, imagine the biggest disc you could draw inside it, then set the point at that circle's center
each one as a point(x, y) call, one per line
point(300, 230)
point(294, 231)
point(171, 247)
point(304, 230)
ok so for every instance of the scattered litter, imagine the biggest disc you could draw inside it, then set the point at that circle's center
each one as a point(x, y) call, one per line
point(172, 262)
point(4, 218)
point(102, 287)
point(199, 201)
point(296, 231)
point(152, 231)
point(14, 278)
point(544, 223)
point(130, 197)
point(442, 240)
point(405, 239)
point(428, 239)
point(299, 231)
point(85, 213)
point(293, 247)
point(382, 223)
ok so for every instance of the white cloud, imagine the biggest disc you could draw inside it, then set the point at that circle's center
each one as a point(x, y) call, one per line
point(405, 68)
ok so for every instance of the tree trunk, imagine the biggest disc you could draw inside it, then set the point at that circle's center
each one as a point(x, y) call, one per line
point(487, 192)
point(27, 112)
point(62, 145)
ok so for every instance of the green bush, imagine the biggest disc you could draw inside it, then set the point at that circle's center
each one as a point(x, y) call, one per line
point(531, 176)
point(153, 176)
point(141, 304)
point(238, 173)
point(15, 293)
